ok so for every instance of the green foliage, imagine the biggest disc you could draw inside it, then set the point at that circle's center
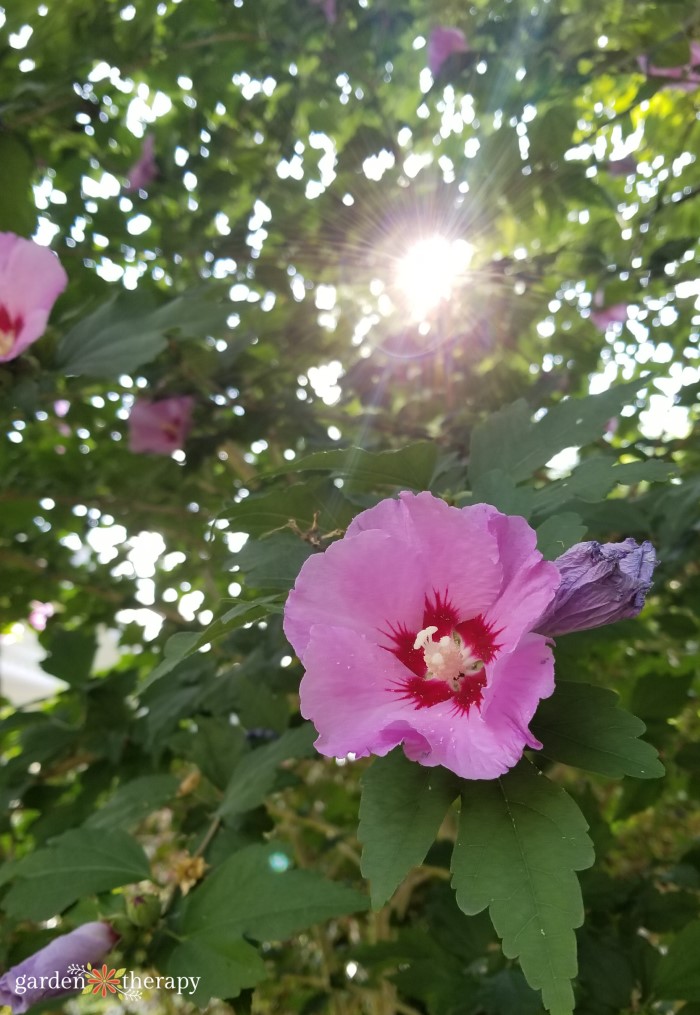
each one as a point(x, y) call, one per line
point(299, 158)
point(402, 809)
point(583, 726)
point(79, 863)
point(268, 905)
point(521, 840)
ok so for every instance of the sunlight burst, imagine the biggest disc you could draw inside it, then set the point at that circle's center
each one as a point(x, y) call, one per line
point(429, 271)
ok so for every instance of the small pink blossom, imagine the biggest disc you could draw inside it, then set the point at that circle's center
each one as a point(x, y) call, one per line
point(685, 77)
point(39, 614)
point(160, 427)
point(442, 44)
point(626, 166)
point(416, 629)
point(61, 407)
point(329, 9)
point(615, 314)
point(145, 169)
point(31, 279)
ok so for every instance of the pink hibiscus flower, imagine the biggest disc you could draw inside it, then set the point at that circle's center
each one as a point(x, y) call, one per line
point(615, 314)
point(145, 169)
point(442, 43)
point(31, 279)
point(416, 629)
point(686, 77)
point(160, 427)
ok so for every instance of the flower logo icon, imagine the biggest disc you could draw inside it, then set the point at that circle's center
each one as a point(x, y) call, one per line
point(100, 981)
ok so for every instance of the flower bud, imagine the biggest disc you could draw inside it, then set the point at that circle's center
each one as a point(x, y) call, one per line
point(47, 973)
point(600, 583)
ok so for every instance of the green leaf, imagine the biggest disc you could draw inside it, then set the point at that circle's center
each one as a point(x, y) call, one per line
point(255, 774)
point(302, 503)
point(558, 533)
point(223, 968)
point(71, 654)
point(403, 805)
point(594, 478)
point(125, 332)
point(658, 698)
point(582, 725)
point(520, 841)
point(186, 643)
point(133, 801)
point(274, 561)
point(678, 972)
point(409, 468)
point(17, 209)
point(77, 864)
point(268, 904)
point(498, 488)
point(511, 441)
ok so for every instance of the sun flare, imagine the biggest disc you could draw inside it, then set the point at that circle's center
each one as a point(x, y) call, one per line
point(429, 271)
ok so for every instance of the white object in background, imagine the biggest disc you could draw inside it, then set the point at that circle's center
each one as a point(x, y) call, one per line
point(22, 680)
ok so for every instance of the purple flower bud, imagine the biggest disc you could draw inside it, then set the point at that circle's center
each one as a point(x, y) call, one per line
point(46, 973)
point(600, 583)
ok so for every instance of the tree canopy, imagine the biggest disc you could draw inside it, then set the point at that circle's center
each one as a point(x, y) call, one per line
point(317, 255)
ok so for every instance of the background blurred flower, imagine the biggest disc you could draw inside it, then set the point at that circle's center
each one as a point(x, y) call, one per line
point(160, 427)
point(414, 629)
point(85, 944)
point(442, 44)
point(145, 169)
point(31, 279)
point(329, 9)
point(601, 583)
point(685, 77)
point(39, 614)
point(614, 314)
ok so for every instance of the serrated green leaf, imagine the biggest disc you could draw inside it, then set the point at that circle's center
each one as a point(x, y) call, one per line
point(408, 468)
point(512, 441)
point(403, 805)
point(594, 478)
point(222, 968)
point(125, 332)
point(77, 864)
point(558, 533)
point(302, 503)
point(520, 841)
point(186, 643)
point(255, 774)
point(274, 561)
point(678, 973)
point(133, 801)
point(245, 896)
point(584, 726)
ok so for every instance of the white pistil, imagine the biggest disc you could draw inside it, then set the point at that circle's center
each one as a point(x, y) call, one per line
point(447, 659)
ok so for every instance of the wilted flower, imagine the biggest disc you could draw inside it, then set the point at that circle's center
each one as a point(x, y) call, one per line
point(188, 870)
point(685, 77)
point(160, 427)
point(46, 973)
point(415, 629)
point(600, 583)
point(442, 43)
point(31, 279)
point(145, 169)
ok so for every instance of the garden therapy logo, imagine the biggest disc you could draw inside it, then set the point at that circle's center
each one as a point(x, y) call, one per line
point(103, 981)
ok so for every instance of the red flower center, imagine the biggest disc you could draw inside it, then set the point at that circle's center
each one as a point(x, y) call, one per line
point(9, 329)
point(445, 658)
